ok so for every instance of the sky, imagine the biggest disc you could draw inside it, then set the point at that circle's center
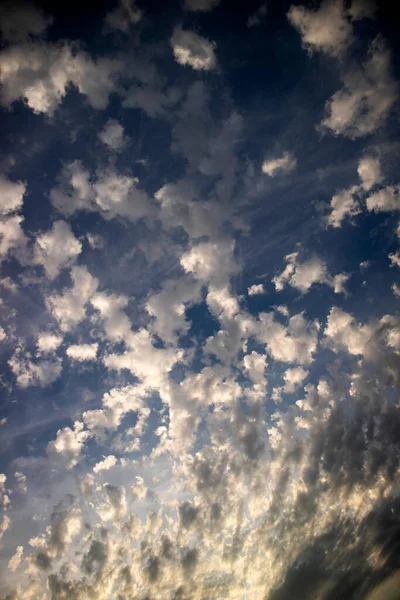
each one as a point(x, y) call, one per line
point(199, 288)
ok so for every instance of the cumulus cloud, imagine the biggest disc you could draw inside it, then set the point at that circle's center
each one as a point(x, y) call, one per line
point(124, 15)
point(12, 236)
point(15, 560)
point(256, 289)
point(369, 171)
point(11, 195)
point(293, 378)
point(112, 135)
point(69, 444)
point(40, 74)
point(200, 5)
point(343, 204)
point(285, 164)
point(302, 275)
point(28, 372)
point(326, 29)
point(104, 465)
point(48, 342)
point(365, 101)
point(210, 261)
point(191, 49)
point(56, 249)
point(385, 200)
point(69, 307)
point(20, 21)
point(82, 352)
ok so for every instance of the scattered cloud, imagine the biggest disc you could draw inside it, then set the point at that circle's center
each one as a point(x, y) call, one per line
point(285, 164)
point(191, 49)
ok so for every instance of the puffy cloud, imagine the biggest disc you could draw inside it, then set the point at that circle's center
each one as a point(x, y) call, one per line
point(82, 352)
point(302, 275)
point(369, 171)
point(362, 9)
point(363, 104)
point(48, 342)
point(295, 343)
point(326, 29)
point(124, 15)
point(117, 325)
point(193, 50)
point(69, 444)
point(104, 465)
point(12, 236)
point(28, 373)
point(110, 194)
point(40, 74)
point(211, 261)
point(200, 5)
point(256, 289)
point(11, 195)
point(343, 204)
point(285, 164)
point(112, 135)
point(56, 249)
point(19, 21)
point(342, 332)
point(21, 479)
point(385, 200)
point(16, 559)
point(396, 290)
point(69, 308)
point(293, 379)
point(395, 259)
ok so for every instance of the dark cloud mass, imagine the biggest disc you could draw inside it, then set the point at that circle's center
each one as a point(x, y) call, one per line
point(199, 286)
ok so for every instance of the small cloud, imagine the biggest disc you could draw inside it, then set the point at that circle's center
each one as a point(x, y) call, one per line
point(124, 15)
point(112, 135)
point(285, 164)
point(193, 50)
point(255, 290)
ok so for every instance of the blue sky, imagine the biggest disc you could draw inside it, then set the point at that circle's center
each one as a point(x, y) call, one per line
point(199, 336)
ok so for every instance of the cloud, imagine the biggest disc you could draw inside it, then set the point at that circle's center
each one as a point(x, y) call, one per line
point(293, 379)
point(256, 290)
point(40, 74)
point(11, 195)
point(28, 372)
point(369, 171)
point(15, 560)
point(69, 444)
point(69, 308)
point(285, 164)
point(12, 236)
point(56, 249)
point(303, 275)
point(106, 464)
point(200, 5)
point(111, 194)
point(210, 261)
point(124, 15)
point(384, 200)
point(20, 21)
point(326, 29)
point(343, 204)
point(365, 101)
point(48, 342)
point(112, 135)
point(82, 352)
point(193, 50)
point(257, 17)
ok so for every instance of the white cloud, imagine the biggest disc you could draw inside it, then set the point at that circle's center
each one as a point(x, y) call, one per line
point(369, 171)
point(56, 249)
point(28, 373)
point(112, 135)
point(200, 5)
point(48, 342)
point(326, 29)
point(69, 444)
point(343, 204)
point(40, 74)
point(395, 259)
point(295, 343)
point(16, 559)
point(366, 99)
point(115, 405)
point(82, 352)
point(396, 290)
point(285, 164)
point(362, 9)
point(12, 236)
point(3, 335)
point(343, 332)
point(293, 379)
point(193, 50)
point(68, 308)
point(19, 21)
point(11, 195)
point(117, 325)
point(106, 464)
point(211, 261)
point(256, 290)
point(302, 275)
point(124, 15)
point(21, 480)
point(385, 200)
